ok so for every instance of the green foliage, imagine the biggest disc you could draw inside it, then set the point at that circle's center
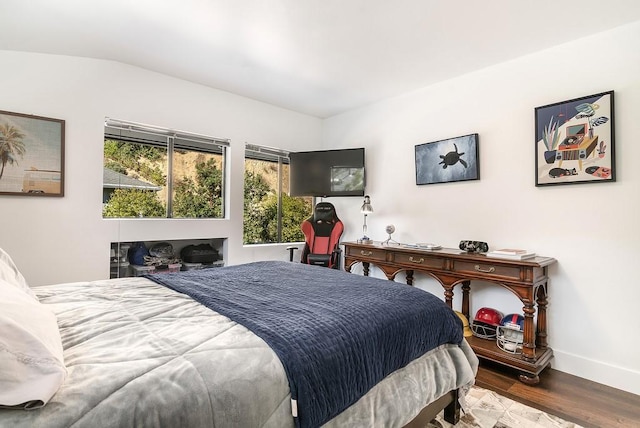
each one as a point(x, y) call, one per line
point(294, 212)
point(11, 146)
point(261, 213)
point(202, 198)
point(133, 203)
point(255, 190)
point(115, 166)
point(130, 153)
point(152, 174)
point(122, 156)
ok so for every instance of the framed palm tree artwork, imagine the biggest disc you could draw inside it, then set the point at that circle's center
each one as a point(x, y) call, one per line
point(31, 155)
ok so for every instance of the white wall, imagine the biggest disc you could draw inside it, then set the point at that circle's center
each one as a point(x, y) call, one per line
point(66, 239)
point(591, 229)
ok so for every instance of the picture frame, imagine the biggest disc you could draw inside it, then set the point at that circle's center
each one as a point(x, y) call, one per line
point(448, 160)
point(575, 141)
point(31, 155)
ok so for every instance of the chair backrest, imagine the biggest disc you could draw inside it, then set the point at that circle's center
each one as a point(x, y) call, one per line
point(322, 233)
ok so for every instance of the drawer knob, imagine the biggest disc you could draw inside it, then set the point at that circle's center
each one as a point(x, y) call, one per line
point(365, 253)
point(420, 260)
point(490, 270)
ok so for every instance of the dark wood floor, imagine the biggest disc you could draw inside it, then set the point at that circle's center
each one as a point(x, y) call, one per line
point(572, 398)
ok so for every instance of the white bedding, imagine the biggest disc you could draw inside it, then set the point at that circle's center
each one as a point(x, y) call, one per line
point(139, 354)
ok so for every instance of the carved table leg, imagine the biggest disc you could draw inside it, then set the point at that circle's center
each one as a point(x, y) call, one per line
point(448, 295)
point(541, 333)
point(347, 265)
point(409, 277)
point(529, 345)
point(466, 287)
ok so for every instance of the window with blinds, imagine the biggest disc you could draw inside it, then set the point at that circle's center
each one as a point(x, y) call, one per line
point(271, 215)
point(154, 172)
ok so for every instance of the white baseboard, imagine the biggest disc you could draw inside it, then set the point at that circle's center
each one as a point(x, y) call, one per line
point(597, 371)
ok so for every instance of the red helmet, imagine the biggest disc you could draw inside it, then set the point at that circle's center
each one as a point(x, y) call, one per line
point(488, 316)
point(486, 322)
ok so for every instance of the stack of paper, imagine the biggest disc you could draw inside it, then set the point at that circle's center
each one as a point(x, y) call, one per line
point(511, 253)
point(428, 246)
point(423, 246)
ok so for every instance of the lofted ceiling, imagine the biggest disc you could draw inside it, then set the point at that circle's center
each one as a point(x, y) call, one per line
point(318, 57)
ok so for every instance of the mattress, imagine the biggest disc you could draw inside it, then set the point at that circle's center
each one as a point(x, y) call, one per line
point(140, 354)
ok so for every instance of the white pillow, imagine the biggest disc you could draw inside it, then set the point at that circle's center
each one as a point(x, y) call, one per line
point(31, 361)
point(10, 273)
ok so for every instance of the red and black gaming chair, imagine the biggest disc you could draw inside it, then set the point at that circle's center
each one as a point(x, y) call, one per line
point(322, 233)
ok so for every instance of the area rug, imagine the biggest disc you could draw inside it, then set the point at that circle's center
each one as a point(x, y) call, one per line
point(487, 409)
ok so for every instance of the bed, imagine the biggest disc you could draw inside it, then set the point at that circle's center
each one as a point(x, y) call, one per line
point(137, 352)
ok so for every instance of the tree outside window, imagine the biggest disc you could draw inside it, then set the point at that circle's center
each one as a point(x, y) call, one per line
point(270, 214)
point(151, 175)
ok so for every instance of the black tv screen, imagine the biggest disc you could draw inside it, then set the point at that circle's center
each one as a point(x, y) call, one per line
point(327, 173)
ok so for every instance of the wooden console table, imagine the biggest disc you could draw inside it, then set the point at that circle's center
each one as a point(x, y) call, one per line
point(527, 279)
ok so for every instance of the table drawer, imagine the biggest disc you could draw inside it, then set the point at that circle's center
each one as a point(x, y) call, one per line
point(419, 260)
point(366, 253)
point(488, 268)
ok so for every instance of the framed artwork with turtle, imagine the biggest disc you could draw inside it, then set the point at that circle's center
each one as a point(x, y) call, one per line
point(575, 141)
point(445, 161)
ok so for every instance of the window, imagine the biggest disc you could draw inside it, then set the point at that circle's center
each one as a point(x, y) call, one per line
point(270, 214)
point(151, 172)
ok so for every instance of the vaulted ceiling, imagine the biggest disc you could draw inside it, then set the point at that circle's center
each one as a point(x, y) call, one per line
point(319, 57)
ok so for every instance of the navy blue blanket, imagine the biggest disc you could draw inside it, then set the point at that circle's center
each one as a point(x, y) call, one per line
point(337, 334)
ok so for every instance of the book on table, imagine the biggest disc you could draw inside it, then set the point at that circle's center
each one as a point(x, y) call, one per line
point(423, 246)
point(511, 253)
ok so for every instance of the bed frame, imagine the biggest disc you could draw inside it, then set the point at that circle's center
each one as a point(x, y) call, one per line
point(449, 402)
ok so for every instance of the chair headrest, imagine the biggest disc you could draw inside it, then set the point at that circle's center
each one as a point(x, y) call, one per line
point(324, 212)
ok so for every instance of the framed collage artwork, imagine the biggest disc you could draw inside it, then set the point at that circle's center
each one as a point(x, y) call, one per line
point(575, 141)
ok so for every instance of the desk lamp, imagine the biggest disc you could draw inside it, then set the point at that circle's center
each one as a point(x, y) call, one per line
point(365, 209)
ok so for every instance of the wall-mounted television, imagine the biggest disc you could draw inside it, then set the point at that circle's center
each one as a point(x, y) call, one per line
point(326, 173)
